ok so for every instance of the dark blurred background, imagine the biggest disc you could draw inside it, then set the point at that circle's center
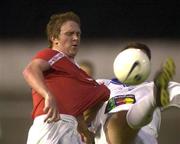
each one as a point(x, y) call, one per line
point(107, 26)
point(100, 19)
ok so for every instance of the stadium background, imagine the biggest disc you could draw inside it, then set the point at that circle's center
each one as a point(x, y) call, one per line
point(107, 26)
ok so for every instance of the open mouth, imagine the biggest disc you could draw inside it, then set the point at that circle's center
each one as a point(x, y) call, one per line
point(75, 45)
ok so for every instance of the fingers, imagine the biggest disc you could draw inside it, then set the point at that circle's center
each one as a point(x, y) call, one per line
point(87, 138)
point(52, 115)
point(51, 110)
point(55, 116)
point(46, 109)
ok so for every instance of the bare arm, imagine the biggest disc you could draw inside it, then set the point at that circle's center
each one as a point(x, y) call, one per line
point(33, 75)
point(91, 113)
point(87, 136)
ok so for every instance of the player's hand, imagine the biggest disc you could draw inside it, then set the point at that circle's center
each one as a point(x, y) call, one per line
point(88, 137)
point(51, 110)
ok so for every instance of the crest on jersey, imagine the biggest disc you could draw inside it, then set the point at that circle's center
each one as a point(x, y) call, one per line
point(119, 100)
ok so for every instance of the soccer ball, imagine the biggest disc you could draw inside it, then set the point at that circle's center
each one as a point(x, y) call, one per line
point(132, 66)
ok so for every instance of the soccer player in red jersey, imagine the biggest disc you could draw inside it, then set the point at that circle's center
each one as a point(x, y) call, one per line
point(61, 90)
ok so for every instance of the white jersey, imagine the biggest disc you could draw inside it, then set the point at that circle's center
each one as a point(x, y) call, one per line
point(149, 133)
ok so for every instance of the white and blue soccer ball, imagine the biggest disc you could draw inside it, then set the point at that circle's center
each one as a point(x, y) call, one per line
point(132, 66)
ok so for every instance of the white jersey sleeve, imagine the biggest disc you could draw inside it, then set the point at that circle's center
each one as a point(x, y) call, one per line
point(174, 92)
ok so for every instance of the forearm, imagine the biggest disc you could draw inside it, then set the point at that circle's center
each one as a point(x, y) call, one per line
point(33, 75)
point(82, 125)
point(91, 113)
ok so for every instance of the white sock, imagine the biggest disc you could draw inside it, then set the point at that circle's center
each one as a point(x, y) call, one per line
point(141, 112)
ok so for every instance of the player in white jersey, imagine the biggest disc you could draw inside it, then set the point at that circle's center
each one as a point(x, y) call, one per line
point(124, 118)
point(146, 133)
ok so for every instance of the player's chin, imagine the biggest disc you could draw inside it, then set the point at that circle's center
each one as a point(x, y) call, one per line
point(74, 52)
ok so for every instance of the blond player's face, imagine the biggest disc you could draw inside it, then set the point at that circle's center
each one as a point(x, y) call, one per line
point(69, 38)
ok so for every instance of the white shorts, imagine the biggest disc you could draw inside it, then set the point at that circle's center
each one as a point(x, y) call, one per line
point(63, 131)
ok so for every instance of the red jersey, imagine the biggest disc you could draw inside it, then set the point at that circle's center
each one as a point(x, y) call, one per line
point(74, 90)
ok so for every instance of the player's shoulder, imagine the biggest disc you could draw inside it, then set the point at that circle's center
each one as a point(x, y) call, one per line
point(147, 83)
point(43, 52)
point(113, 81)
point(103, 81)
point(49, 55)
point(46, 51)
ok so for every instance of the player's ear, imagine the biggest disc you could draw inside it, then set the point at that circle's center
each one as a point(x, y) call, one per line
point(54, 40)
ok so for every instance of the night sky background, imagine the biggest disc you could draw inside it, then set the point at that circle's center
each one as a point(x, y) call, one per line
point(100, 19)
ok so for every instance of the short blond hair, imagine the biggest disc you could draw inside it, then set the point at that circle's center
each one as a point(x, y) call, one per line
point(56, 21)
